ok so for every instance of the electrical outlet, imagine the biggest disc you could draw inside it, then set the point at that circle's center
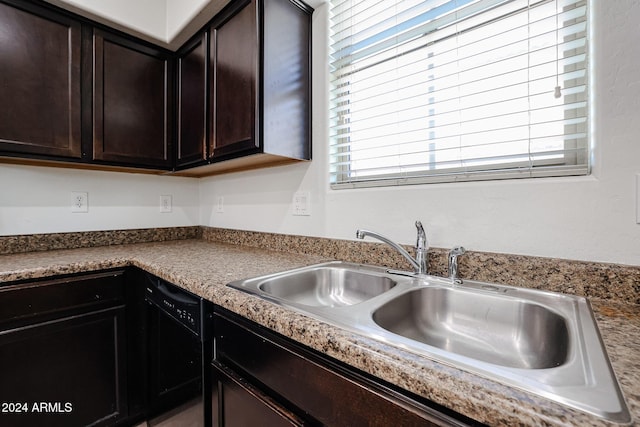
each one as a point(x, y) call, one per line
point(302, 203)
point(165, 203)
point(220, 204)
point(79, 202)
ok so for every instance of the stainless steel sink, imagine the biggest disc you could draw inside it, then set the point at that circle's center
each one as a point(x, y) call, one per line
point(543, 342)
point(489, 327)
point(326, 286)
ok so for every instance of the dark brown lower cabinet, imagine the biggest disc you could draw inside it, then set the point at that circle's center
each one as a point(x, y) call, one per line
point(239, 403)
point(62, 352)
point(260, 375)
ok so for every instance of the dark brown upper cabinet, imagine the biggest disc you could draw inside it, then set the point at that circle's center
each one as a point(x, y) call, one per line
point(39, 82)
point(285, 109)
point(259, 86)
point(132, 102)
point(236, 96)
point(192, 102)
point(235, 80)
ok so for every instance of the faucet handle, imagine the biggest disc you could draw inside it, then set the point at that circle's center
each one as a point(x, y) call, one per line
point(458, 250)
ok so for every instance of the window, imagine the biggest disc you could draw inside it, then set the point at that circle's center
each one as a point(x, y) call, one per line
point(457, 90)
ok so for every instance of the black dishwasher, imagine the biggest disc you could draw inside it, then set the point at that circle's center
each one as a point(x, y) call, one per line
point(180, 339)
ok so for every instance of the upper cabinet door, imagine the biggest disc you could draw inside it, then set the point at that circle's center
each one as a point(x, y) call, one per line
point(39, 82)
point(131, 102)
point(192, 102)
point(234, 57)
point(286, 80)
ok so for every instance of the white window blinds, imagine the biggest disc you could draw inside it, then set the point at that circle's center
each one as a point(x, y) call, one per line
point(443, 90)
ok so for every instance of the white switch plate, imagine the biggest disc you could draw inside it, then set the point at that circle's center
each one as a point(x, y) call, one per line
point(638, 198)
point(302, 203)
point(79, 202)
point(166, 203)
point(219, 204)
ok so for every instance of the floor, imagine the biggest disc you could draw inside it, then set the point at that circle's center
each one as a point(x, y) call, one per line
point(187, 415)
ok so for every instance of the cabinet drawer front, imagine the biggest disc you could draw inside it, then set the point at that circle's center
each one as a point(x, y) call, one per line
point(31, 299)
point(329, 394)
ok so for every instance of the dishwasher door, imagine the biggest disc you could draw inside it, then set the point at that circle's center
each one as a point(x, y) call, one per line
point(179, 349)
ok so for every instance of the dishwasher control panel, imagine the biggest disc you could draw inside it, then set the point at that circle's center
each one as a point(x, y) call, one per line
point(179, 304)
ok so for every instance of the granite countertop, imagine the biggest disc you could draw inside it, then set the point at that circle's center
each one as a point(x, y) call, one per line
point(205, 267)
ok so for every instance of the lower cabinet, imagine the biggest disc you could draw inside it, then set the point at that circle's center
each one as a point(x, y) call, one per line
point(89, 350)
point(260, 375)
point(62, 352)
point(238, 403)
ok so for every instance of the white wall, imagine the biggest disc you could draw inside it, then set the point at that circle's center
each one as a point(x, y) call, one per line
point(141, 17)
point(584, 218)
point(179, 13)
point(167, 23)
point(38, 200)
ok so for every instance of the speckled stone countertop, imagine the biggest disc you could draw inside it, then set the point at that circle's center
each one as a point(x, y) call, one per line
point(205, 267)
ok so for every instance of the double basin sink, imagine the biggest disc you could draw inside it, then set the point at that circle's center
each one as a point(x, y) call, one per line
point(543, 342)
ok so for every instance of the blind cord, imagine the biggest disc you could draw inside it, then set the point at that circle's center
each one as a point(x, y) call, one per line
point(558, 91)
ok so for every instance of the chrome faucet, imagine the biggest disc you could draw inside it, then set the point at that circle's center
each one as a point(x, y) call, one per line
point(453, 263)
point(422, 246)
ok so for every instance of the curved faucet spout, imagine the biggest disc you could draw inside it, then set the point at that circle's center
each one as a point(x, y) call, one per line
point(420, 262)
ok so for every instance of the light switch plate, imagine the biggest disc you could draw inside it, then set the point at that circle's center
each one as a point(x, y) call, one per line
point(302, 203)
point(166, 203)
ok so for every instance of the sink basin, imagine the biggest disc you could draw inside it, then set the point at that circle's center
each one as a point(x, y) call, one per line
point(488, 327)
point(326, 286)
point(543, 342)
